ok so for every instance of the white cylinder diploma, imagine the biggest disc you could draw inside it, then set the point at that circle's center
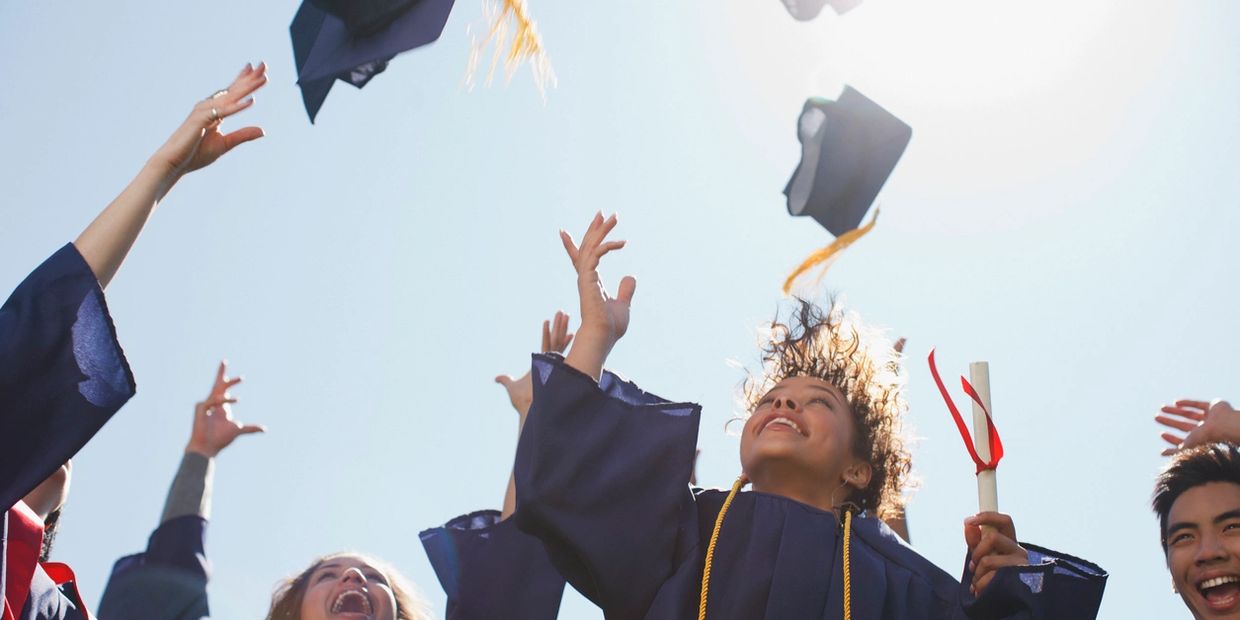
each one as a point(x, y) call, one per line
point(987, 486)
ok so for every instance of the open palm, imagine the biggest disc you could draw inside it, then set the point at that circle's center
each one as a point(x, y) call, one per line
point(214, 427)
point(198, 141)
point(601, 314)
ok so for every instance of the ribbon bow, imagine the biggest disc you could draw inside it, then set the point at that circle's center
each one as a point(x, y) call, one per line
point(992, 435)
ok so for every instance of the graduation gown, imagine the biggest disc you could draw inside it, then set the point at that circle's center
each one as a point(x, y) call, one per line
point(63, 374)
point(166, 582)
point(490, 569)
point(600, 474)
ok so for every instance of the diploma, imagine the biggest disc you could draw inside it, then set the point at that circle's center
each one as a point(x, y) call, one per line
point(987, 487)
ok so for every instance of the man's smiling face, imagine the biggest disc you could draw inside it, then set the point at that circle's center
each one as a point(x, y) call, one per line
point(1203, 549)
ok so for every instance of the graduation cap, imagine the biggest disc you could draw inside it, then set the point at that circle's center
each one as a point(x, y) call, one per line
point(353, 40)
point(805, 10)
point(848, 149)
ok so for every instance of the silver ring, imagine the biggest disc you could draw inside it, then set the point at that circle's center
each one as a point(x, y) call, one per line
point(219, 93)
point(215, 115)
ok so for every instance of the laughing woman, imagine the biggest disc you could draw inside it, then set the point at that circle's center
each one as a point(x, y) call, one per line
point(822, 449)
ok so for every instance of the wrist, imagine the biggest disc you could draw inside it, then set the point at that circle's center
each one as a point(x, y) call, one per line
point(200, 449)
point(165, 173)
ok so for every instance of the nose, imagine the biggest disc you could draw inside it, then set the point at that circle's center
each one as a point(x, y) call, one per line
point(1210, 550)
point(355, 575)
point(787, 403)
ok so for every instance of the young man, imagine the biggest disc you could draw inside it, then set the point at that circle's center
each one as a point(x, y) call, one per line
point(1197, 500)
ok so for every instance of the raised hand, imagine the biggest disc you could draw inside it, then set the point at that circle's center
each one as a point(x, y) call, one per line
point(198, 141)
point(604, 319)
point(555, 337)
point(991, 537)
point(214, 426)
point(1201, 422)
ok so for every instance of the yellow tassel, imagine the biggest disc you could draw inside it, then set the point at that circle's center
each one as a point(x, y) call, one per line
point(847, 576)
point(827, 255)
point(506, 15)
point(710, 549)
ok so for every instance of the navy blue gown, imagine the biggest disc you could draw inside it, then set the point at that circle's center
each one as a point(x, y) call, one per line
point(600, 474)
point(490, 569)
point(166, 582)
point(62, 377)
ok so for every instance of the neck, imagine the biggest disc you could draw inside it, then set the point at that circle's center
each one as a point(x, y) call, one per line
point(795, 485)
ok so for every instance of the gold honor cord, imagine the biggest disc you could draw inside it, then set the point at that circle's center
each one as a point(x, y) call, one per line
point(710, 549)
point(714, 538)
point(847, 576)
point(827, 255)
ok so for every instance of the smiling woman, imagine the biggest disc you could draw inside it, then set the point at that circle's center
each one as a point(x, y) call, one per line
point(348, 586)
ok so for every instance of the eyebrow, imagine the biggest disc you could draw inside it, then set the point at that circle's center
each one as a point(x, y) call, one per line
point(1184, 525)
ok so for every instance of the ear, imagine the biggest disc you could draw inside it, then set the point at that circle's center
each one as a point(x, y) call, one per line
point(858, 475)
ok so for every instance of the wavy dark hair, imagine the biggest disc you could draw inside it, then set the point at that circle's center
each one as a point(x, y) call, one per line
point(286, 602)
point(1219, 462)
point(834, 346)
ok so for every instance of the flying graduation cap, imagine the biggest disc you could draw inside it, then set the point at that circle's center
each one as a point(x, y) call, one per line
point(848, 149)
point(353, 40)
point(805, 10)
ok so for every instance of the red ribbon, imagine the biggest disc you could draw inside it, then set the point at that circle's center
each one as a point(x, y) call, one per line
point(992, 434)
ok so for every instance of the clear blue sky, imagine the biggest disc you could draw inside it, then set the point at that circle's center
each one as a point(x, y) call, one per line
point(1065, 210)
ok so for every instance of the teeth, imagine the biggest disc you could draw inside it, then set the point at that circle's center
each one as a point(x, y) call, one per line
point(783, 420)
point(339, 604)
point(1218, 581)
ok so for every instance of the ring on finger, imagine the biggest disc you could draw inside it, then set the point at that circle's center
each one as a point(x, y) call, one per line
point(219, 93)
point(215, 116)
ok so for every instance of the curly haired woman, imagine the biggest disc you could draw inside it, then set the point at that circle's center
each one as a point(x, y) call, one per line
point(822, 449)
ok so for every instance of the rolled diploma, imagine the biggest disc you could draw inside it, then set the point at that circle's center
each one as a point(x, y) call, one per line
point(987, 487)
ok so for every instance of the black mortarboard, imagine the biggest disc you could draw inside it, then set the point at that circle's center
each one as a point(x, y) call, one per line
point(805, 10)
point(848, 149)
point(353, 40)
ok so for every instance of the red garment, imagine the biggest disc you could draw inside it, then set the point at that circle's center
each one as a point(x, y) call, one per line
point(25, 543)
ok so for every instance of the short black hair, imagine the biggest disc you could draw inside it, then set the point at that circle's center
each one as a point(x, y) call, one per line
point(51, 525)
point(1218, 462)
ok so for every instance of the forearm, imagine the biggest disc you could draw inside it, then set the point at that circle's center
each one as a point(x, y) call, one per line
point(510, 495)
point(107, 240)
point(191, 488)
point(589, 352)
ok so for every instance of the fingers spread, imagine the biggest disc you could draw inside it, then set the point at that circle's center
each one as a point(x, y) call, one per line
point(1199, 404)
point(1191, 414)
point(1172, 439)
point(1175, 423)
point(569, 246)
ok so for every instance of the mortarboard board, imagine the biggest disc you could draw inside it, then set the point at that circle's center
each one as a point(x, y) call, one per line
point(848, 149)
point(805, 10)
point(353, 40)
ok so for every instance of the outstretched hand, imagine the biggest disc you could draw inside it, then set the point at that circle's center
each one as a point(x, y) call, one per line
point(198, 141)
point(1201, 422)
point(604, 319)
point(555, 338)
point(991, 537)
point(214, 426)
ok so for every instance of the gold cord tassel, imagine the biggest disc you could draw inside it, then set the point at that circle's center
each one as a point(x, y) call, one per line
point(710, 549)
point(505, 17)
point(847, 576)
point(827, 255)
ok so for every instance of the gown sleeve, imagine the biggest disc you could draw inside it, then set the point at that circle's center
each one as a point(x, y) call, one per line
point(602, 475)
point(62, 371)
point(168, 581)
point(490, 569)
point(1055, 585)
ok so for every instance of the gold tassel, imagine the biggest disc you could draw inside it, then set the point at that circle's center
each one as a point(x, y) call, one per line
point(827, 255)
point(505, 16)
point(710, 549)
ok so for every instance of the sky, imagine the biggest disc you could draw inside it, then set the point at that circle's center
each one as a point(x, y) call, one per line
point(1064, 211)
